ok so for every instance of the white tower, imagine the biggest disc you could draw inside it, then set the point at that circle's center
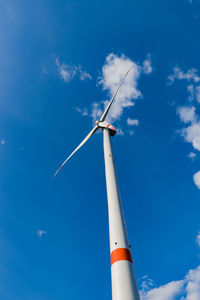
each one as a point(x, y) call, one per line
point(124, 285)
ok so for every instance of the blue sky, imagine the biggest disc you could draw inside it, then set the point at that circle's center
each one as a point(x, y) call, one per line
point(54, 234)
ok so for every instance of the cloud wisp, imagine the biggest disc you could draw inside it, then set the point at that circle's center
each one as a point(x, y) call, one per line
point(2, 141)
point(82, 111)
point(132, 122)
point(192, 155)
point(68, 72)
point(41, 232)
point(198, 239)
point(147, 65)
point(191, 78)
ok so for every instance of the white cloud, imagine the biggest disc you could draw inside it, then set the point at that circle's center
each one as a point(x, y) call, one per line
point(187, 114)
point(198, 238)
point(132, 122)
point(113, 72)
point(190, 75)
point(131, 132)
point(196, 178)
point(186, 289)
point(168, 291)
point(193, 284)
point(3, 141)
point(191, 135)
point(41, 232)
point(147, 65)
point(194, 92)
point(68, 72)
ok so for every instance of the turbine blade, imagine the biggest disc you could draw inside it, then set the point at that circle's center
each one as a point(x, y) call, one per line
point(79, 146)
point(113, 97)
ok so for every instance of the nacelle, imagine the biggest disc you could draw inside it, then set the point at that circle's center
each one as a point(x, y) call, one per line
point(111, 128)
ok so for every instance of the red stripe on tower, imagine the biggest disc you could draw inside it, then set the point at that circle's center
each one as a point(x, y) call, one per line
point(120, 254)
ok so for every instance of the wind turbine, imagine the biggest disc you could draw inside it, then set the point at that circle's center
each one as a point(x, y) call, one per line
point(124, 285)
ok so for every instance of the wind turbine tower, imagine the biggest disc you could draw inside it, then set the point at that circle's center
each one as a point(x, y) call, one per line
point(124, 285)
